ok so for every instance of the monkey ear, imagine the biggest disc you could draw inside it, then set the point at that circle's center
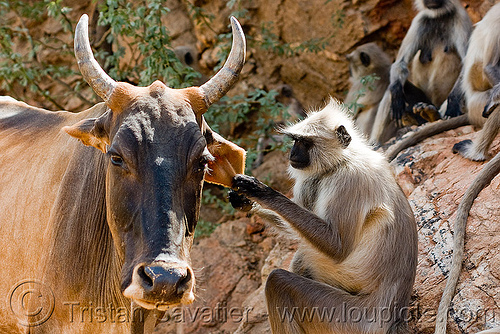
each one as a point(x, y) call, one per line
point(365, 59)
point(343, 136)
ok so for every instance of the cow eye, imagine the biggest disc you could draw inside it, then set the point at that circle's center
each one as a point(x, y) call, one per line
point(116, 160)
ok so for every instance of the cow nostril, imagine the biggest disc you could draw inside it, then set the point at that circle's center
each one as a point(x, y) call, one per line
point(145, 278)
point(183, 284)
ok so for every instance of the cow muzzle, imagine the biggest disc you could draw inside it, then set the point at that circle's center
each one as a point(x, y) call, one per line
point(161, 285)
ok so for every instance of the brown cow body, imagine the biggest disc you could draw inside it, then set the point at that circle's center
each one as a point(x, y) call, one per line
point(96, 238)
point(45, 237)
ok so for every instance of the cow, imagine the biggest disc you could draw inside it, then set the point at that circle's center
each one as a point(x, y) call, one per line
point(96, 238)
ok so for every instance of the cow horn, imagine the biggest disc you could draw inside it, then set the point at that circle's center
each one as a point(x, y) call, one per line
point(227, 76)
point(102, 84)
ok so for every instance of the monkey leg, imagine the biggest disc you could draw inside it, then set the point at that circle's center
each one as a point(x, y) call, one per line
point(300, 305)
point(478, 150)
point(383, 128)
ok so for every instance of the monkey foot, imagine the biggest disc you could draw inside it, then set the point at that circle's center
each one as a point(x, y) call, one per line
point(427, 111)
point(408, 120)
point(466, 149)
point(239, 201)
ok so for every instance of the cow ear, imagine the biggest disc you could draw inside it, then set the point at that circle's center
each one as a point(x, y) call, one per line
point(91, 132)
point(229, 160)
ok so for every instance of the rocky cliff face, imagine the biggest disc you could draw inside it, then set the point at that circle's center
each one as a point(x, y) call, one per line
point(280, 36)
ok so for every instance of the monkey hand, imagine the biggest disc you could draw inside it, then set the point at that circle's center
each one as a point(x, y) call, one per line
point(250, 187)
point(239, 201)
point(493, 103)
point(398, 103)
point(489, 108)
point(453, 107)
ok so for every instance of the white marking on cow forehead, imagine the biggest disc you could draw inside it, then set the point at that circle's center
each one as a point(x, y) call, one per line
point(159, 160)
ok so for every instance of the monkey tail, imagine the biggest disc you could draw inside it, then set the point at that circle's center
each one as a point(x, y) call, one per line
point(489, 171)
point(423, 132)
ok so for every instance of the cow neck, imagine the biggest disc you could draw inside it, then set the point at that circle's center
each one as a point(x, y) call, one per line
point(88, 267)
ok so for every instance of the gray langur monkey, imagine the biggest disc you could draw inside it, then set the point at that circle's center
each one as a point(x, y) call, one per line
point(481, 85)
point(355, 266)
point(363, 98)
point(430, 57)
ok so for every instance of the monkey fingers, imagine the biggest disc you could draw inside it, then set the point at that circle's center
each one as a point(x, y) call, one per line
point(489, 108)
point(493, 101)
point(239, 201)
point(250, 187)
point(397, 102)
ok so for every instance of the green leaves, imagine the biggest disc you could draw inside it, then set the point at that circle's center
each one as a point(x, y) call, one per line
point(27, 68)
point(143, 35)
point(369, 83)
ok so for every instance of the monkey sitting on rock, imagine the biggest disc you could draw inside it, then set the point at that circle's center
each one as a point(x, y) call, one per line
point(355, 265)
point(369, 68)
point(364, 97)
point(481, 85)
point(430, 57)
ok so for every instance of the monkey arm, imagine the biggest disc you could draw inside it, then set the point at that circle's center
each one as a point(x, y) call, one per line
point(399, 71)
point(409, 48)
point(315, 230)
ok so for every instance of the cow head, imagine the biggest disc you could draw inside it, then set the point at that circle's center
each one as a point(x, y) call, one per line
point(160, 150)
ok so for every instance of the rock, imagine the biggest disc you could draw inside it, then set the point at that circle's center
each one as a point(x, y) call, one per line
point(280, 257)
point(435, 180)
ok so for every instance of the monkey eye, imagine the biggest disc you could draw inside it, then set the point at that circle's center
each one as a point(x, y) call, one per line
point(307, 142)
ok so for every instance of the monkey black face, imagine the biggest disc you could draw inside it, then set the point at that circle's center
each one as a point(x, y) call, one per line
point(433, 4)
point(365, 59)
point(300, 156)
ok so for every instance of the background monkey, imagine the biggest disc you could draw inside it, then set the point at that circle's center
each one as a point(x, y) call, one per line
point(481, 85)
point(364, 96)
point(353, 222)
point(367, 59)
point(430, 57)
